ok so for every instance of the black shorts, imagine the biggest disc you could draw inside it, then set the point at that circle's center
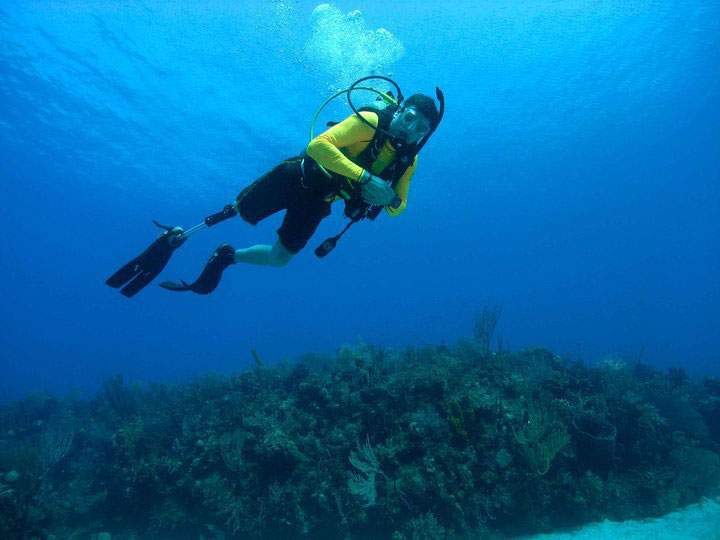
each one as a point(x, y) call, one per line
point(282, 189)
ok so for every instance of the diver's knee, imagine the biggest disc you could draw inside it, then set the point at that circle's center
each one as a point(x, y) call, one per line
point(280, 255)
point(279, 263)
point(280, 260)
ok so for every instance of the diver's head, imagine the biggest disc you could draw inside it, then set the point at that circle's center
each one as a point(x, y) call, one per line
point(414, 119)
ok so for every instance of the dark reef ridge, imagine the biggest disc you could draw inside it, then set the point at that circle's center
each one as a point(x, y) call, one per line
point(425, 443)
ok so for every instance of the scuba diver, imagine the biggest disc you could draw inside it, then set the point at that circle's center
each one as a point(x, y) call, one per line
point(367, 160)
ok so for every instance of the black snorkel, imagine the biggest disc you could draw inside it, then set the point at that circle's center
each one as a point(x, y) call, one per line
point(441, 100)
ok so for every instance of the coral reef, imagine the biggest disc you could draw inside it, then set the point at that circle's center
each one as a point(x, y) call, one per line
point(425, 443)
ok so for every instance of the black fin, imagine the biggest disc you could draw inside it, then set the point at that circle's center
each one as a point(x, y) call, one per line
point(175, 286)
point(141, 270)
point(125, 274)
point(209, 278)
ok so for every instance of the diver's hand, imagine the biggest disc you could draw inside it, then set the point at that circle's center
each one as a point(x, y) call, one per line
point(376, 190)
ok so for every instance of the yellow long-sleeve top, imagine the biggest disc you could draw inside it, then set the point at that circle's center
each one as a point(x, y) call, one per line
point(335, 149)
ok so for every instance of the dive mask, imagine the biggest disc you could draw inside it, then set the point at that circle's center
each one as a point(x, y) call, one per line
point(409, 125)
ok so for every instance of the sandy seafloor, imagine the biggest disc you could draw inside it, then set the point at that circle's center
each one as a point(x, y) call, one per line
point(699, 521)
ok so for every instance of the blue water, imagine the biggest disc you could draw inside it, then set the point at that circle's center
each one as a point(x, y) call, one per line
point(574, 181)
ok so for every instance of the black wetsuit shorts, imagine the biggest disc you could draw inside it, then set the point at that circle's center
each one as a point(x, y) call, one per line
point(282, 189)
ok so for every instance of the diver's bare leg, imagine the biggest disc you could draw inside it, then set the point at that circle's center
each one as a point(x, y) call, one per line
point(264, 255)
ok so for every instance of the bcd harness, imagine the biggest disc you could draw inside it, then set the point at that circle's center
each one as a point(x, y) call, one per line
point(340, 186)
